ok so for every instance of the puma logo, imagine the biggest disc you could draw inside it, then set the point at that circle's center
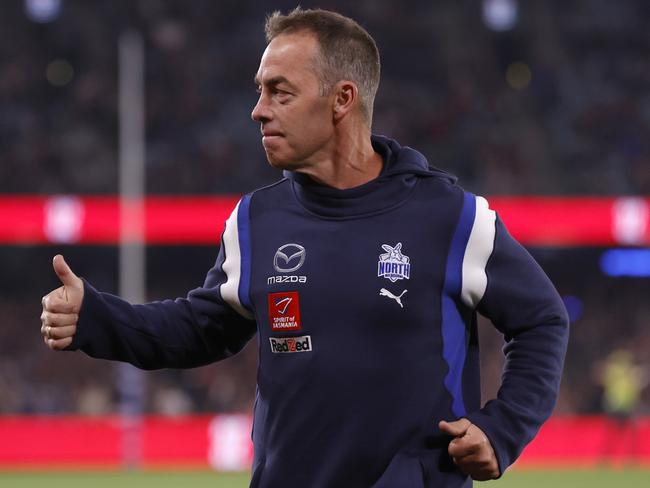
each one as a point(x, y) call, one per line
point(385, 293)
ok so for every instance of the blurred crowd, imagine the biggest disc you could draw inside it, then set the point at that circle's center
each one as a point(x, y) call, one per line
point(558, 104)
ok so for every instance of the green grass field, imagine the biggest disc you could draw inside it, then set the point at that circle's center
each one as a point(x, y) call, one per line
point(597, 478)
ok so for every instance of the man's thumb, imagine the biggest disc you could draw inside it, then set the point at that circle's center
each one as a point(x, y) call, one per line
point(63, 271)
point(457, 428)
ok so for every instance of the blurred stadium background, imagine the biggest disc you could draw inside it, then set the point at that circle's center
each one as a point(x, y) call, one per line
point(542, 106)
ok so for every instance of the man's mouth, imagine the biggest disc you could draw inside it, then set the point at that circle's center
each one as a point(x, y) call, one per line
point(270, 137)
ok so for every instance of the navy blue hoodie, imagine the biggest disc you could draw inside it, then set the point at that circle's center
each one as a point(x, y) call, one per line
point(364, 302)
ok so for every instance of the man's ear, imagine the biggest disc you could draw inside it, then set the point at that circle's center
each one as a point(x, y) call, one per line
point(346, 95)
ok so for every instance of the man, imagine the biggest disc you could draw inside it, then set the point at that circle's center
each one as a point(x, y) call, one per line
point(623, 382)
point(361, 272)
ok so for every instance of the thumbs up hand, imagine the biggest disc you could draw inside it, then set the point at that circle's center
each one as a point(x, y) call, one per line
point(61, 307)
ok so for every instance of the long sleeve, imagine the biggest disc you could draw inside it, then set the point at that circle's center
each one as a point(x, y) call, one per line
point(523, 304)
point(213, 322)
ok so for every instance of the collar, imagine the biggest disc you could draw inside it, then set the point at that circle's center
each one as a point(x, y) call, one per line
point(381, 194)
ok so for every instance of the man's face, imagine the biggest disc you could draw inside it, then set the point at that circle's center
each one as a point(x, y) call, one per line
point(296, 121)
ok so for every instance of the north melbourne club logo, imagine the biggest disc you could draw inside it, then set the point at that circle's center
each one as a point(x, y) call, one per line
point(393, 265)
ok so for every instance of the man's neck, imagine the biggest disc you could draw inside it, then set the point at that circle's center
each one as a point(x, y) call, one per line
point(351, 162)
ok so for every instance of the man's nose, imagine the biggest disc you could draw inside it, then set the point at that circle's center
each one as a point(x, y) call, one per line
point(261, 112)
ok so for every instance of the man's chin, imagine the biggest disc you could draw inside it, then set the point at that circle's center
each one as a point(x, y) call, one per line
point(281, 163)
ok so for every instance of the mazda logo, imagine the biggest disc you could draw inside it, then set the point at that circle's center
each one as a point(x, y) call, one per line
point(289, 258)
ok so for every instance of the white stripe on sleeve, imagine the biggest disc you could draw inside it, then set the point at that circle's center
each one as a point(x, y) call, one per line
point(232, 265)
point(479, 249)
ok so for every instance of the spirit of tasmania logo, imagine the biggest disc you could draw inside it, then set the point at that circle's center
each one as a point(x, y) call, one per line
point(284, 311)
point(393, 265)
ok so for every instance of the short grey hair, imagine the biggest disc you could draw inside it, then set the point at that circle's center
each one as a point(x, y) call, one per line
point(347, 51)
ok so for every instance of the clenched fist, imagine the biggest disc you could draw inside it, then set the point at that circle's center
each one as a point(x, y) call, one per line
point(61, 307)
point(471, 450)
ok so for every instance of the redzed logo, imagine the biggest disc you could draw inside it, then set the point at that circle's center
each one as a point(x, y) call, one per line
point(284, 311)
point(290, 344)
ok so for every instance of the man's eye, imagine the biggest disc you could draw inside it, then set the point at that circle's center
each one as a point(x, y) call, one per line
point(283, 95)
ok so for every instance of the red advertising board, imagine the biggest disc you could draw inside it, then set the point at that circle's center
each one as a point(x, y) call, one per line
point(222, 442)
point(533, 220)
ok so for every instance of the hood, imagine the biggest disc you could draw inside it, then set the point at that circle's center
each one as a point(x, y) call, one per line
point(403, 167)
point(405, 160)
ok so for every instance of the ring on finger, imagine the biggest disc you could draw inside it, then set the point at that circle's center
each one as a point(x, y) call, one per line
point(48, 330)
